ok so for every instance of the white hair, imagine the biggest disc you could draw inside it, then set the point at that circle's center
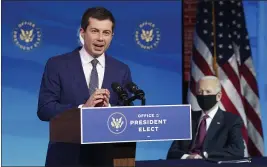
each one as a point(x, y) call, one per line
point(211, 77)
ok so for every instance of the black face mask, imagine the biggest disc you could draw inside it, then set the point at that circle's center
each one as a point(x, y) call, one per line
point(206, 102)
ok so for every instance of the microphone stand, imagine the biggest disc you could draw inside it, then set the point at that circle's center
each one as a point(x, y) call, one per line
point(133, 98)
point(143, 101)
point(127, 103)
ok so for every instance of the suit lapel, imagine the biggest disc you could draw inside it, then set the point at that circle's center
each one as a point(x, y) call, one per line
point(195, 119)
point(107, 74)
point(216, 123)
point(78, 74)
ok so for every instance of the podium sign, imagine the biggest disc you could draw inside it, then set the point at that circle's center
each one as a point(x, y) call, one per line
point(135, 124)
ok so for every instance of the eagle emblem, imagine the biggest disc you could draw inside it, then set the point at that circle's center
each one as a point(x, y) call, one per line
point(26, 36)
point(147, 35)
point(117, 123)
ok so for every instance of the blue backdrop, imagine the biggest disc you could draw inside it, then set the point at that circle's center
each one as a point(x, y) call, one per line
point(157, 71)
point(55, 24)
point(256, 19)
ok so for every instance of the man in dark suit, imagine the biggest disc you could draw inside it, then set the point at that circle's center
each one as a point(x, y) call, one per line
point(83, 78)
point(215, 133)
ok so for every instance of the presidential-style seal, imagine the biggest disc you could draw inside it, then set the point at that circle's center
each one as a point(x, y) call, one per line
point(147, 36)
point(117, 123)
point(27, 35)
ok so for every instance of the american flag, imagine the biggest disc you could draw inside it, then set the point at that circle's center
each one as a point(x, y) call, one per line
point(223, 49)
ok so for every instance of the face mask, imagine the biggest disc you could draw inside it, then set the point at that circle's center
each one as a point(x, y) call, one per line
point(206, 102)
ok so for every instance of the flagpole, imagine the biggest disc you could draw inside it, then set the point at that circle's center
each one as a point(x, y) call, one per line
point(215, 66)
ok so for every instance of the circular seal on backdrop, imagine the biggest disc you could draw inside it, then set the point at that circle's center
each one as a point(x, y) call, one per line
point(147, 36)
point(27, 35)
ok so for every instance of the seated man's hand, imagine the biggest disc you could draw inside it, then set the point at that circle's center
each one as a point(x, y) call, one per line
point(100, 98)
point(194, 156)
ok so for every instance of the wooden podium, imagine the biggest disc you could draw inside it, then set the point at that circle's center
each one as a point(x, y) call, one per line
point(66, 128)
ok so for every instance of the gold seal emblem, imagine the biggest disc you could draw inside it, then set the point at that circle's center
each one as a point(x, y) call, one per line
point(117, 123)
point(27, 36)
point(147, 36)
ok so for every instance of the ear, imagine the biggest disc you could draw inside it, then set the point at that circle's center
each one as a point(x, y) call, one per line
point(82, 32)
point(219, 96)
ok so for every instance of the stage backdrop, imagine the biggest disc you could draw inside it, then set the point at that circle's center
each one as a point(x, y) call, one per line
point(32, 32)
point(256, 14)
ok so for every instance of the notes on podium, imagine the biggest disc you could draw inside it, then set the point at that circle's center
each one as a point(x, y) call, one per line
point(122, 124)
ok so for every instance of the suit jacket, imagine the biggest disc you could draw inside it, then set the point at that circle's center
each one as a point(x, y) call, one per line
point(223, 139)
point(64, 87)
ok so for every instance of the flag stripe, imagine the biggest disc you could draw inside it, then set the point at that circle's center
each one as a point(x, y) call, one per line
point(232, 62)
point(252, 148)
point(255, 137)
point(251, 97)
point(203, 50)
point(251, 80)
point(200, 61)
point(253, 117)
point(232, 76)
point(229, 106)
point(250, 67)
point(232, 96)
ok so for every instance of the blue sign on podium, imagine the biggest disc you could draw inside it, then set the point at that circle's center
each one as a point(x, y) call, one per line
point(135, 124)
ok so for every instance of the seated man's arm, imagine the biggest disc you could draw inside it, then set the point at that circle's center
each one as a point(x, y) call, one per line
point(49, 95)
point(235, 145)
point(175, 152)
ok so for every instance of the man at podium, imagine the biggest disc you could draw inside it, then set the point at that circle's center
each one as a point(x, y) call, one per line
point(215, 133)
point(82, 78)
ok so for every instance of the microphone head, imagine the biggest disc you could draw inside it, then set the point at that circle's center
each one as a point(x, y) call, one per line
point(132, 87)
point(116, 87)
point(119, 90)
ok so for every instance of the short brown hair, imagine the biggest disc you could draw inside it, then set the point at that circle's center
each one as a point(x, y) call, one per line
point(99, 13)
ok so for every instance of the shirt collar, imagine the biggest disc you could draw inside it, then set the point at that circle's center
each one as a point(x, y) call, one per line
point(87, 58)
point(212, 111)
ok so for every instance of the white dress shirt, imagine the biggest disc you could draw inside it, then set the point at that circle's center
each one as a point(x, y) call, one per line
point(211, 113)
point(87, 66)
point(86, 59)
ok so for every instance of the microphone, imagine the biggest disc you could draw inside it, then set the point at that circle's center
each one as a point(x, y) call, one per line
point(120, 92)
point(133, 88)
point(138, 93)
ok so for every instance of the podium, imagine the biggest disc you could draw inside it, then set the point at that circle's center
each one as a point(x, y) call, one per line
point(122, 127)
point(66, 128)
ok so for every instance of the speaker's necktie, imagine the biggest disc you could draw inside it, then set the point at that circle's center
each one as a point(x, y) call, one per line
point(93, 85)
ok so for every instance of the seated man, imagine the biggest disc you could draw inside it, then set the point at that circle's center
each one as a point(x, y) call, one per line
point(215, 133)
